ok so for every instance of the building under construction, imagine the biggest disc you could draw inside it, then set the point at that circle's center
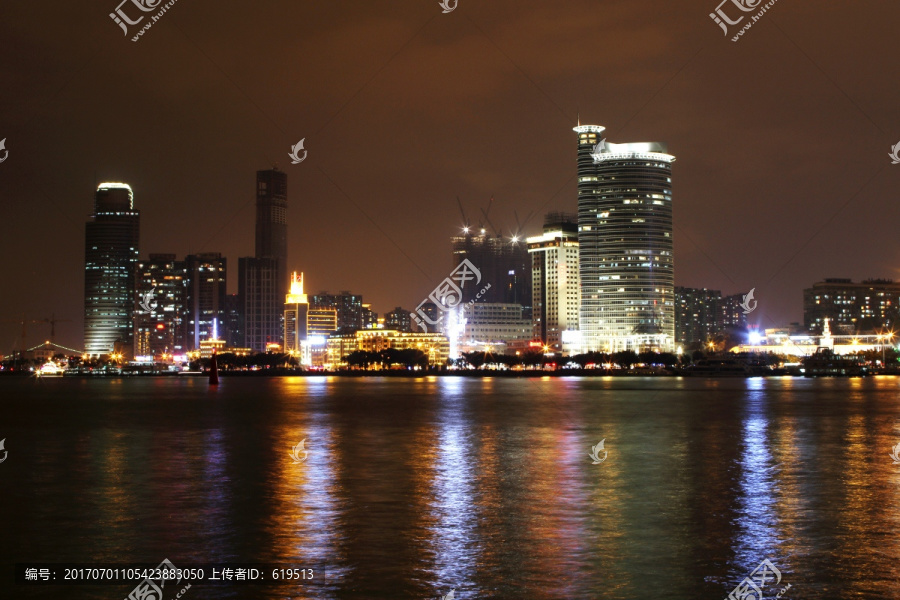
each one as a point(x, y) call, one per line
point(503, 263)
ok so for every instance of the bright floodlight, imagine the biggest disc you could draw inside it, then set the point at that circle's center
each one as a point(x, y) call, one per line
point(755, 338)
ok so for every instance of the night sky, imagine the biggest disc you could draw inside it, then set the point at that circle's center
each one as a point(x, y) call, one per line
point(782, 139)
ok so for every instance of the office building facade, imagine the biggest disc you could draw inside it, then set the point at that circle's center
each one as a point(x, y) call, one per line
point(870, 306)
point(555, 284)
point(398, 320)
point(626, 268)
point(491, 326)
point(349, 308)
point(206, 278)
point(159, 318)
point(112, 245)
point(433, 345)
point(271, 223)
point(262, 308)
point(263, 280)
point(702, 314)
point(698, 315)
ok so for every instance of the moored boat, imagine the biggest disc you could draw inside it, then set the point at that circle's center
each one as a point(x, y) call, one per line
point(825, 363)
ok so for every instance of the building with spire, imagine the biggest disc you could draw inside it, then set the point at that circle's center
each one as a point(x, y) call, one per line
point(306, 328)
point(627, 267)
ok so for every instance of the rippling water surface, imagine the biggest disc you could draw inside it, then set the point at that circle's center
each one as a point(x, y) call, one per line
point(414, 487)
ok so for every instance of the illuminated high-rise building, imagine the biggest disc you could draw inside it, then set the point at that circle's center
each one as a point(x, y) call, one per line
point(870, 306)
point(398, 320)
point(349, 308)
point(625, 244)
point(698, 316)
point(262, 308)
point(296, 311)
point(159, 315)
point(112, 239)
point(369, 317)
point(556, 294)
point(305, 328)
point(271, 222)
point(263, 279)
point(205, 283)
point(234, 321)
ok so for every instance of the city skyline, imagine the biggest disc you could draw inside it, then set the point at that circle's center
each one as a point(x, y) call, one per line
point(775, 166)
point(450, 299)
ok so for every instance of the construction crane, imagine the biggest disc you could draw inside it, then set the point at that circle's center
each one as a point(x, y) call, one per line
point(463, 213)
point(53, 321)
point(24, 322)
point(487, 219)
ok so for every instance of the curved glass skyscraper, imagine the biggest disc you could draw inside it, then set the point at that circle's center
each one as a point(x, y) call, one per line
point(625, 241)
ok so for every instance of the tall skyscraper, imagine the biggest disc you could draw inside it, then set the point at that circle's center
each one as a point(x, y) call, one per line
point(160, 288)
point(271, 222)
point(556, 294)
point(625, 244)
point(111, 247)
point(503, 263)
point(205, 278)
point(261, 305)
point(234, 321)
point(263, 280)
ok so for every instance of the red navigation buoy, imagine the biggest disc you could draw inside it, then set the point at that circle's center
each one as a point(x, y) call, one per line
point(214, 370)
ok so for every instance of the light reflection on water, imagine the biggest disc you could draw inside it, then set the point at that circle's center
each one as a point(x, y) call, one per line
point(415, 487)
